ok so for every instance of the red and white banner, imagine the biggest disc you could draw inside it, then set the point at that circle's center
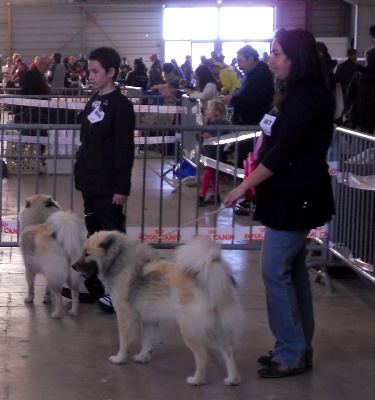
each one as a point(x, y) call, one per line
point(170, 234)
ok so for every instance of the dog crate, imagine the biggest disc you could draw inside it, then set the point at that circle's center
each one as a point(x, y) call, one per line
point(21, 157)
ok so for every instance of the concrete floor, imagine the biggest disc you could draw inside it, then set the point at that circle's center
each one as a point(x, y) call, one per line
point(47, 359)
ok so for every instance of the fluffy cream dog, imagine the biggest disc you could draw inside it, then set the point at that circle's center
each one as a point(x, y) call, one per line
point(51, 241)
point(196, 290)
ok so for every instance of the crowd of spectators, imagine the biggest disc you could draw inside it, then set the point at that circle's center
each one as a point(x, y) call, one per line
point(65, 75)
point(67, 72)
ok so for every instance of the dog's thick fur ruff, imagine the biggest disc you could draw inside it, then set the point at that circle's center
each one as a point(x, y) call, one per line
point(51, 241)
point(196, 290)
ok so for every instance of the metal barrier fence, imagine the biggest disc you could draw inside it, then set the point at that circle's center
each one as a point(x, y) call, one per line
point(40, 158)
point(352, 232)
point(163, 207)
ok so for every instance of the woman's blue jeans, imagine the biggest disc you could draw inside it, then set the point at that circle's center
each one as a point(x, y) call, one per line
point(289, 298)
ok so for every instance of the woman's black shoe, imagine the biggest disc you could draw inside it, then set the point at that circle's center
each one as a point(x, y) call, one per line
point(267, 360)
point(277, 370)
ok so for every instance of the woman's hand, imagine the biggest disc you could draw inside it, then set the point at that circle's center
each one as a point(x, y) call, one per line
point(258, 176)
point(119, 199)
point(234, 195)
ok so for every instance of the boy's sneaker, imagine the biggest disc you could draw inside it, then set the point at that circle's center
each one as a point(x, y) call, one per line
point(105, 304)
point(84, 297)
point(213, 199)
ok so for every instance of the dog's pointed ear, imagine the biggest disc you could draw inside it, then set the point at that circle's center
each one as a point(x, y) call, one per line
point(50, 203)
point(108, 242)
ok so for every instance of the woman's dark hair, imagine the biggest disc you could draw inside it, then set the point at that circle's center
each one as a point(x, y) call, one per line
point(300, 47)
point(57, 57)
point(328, 64)
point(139, 65)
point(205, 75)
point(108, 58)
point(156, 64)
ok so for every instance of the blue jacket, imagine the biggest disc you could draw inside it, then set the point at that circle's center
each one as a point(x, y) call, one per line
point(254, 97)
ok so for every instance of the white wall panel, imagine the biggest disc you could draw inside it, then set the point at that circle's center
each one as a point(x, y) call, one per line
point(71, 29)
point(291, 15)
point(322, 17)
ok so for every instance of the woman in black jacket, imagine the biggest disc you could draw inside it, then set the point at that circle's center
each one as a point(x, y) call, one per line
point(294, 195)
point(361, 93)
point(138, 75)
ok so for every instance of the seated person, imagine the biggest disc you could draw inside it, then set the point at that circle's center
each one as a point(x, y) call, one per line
point(137, 77)
point(228, 80)
point(7, 70)
point(77, 73)
point(171, 85)
point(21, 70)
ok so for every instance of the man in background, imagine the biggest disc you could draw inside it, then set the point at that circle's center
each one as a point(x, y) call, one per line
point(187, 69)
point(35, 81)
point(253, 99)
point(345, 72)
point(251, 102)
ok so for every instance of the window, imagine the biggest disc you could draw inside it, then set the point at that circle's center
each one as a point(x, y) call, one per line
point(211, 23)
point(199, 30)
point(190, 23)
point(178, 50)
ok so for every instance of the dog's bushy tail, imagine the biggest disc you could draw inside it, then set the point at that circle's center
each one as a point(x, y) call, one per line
point(69, 231)
point(202, 258)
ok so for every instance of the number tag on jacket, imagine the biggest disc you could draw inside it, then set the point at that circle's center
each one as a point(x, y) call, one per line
point(96, 116)
point(266, 123)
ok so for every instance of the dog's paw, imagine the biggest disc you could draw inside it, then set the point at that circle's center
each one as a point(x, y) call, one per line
point(191, 380)
point(140, 358)
point(56, 315)
point(29, 299)
point(232, 381)
point(119, 359)
point(73, 312)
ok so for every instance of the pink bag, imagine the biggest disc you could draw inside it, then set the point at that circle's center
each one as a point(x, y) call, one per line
point(249, 164)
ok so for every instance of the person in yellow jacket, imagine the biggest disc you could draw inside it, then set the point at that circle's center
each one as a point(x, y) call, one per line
point(228, 78)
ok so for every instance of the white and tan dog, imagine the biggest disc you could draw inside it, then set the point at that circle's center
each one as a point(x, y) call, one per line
point(51, 241)
point(196, 290)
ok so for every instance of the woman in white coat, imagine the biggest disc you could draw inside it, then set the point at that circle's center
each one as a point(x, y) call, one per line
point(207, 86)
